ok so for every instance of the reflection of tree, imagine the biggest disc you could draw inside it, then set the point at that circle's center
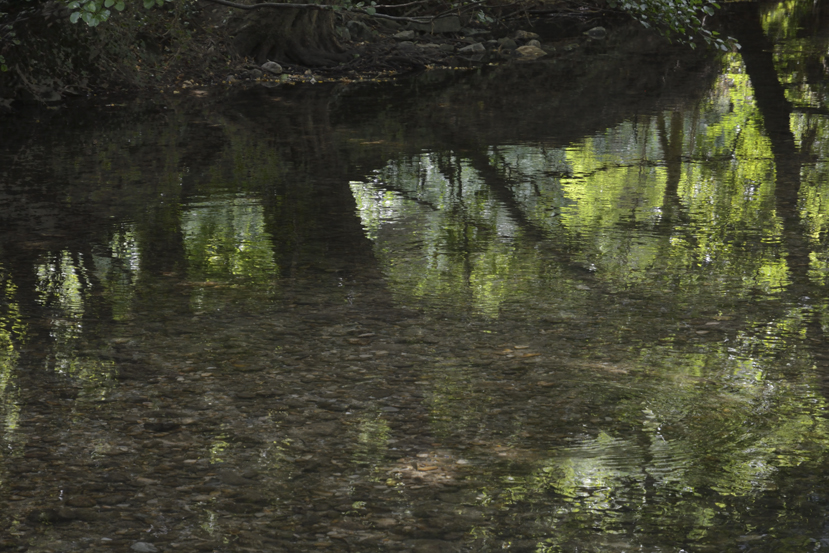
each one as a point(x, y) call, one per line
point(635, 243)
point(725, 229)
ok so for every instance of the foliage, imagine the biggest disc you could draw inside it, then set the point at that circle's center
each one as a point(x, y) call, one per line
point(680, 19)
point(94, 12)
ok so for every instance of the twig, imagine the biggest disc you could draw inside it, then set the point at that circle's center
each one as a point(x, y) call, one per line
point(403, 5)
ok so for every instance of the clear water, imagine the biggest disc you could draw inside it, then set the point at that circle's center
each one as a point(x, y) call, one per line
point(425, 317)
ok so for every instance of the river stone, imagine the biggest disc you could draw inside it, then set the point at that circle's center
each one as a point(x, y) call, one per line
point(598, 33)
point(530, 52)
point(525, 35)
point(83, 502)
point(161, 426)
point(476, 48)
point(233, 479)
point(405, 35)
point(143, 547)
point(433, 546)
point(533, 42)
point(272, 67)
point(507, 44)
point(67, 514)
point(450, 24)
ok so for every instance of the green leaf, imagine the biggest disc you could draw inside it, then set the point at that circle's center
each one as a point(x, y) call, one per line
point(108, 3)
point(74, 17)
point(159, 3)
point(120, 6)
point(371, 11)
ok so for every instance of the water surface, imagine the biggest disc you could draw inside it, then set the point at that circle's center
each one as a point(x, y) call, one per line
point(495, 310)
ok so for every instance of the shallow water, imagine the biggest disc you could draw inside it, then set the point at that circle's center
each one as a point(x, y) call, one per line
point(402, 317)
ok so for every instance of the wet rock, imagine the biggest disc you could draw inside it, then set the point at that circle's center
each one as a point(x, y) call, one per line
point(507, 44)
point(318, 429)
point(237, 507)
point(272, 67)
point(476, 48)
point(597, 33)
point(530, 52)
point(533, 42)
point(434, 546)
point(42, 516)
point(450, 24)
point(405, 35)
point(65, 514)
point(253, 498)
point(235, 479)
point(81, 502)
point(470, 32)
point(525, 35)
point(143, 547)
point(113, 499)
point(161, 426)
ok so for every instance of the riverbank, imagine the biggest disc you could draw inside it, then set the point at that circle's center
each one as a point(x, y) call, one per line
point(194, 47)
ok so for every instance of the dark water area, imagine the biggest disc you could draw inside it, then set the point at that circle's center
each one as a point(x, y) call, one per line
point(563, 306)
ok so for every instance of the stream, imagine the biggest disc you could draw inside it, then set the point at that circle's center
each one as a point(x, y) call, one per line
point(576, 305)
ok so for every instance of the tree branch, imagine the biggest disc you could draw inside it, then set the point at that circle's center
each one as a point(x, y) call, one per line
point(328, 7)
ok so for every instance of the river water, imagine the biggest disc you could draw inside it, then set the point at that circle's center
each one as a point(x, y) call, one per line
point(573, 305)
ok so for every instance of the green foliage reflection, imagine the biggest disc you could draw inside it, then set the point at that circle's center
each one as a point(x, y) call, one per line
point(226, 240)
